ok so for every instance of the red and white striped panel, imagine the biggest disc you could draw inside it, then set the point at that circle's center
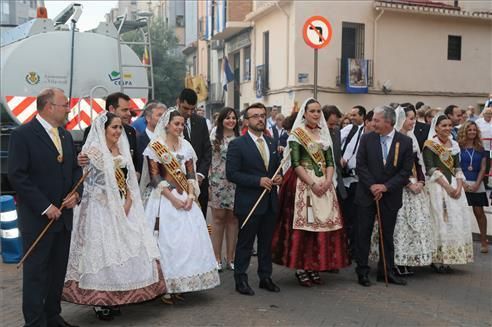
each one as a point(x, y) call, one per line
point(80, 116)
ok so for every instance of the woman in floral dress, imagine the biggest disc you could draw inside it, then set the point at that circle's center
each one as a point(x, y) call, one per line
point(221, 190)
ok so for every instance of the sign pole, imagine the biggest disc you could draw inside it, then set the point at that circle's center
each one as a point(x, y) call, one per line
point(315, 91)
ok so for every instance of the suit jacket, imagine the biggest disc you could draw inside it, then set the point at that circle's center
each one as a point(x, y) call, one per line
point(337, 155)
point(371, 170)
point(245, 167)
point(142, 142)
point(421, 132)
point(200, 141)
point(38, 178)
point(132, 140)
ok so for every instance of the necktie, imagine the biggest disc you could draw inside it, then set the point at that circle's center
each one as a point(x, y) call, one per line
point(56, 140)
point(384, 147)
point(261, 147)
point(188, 129)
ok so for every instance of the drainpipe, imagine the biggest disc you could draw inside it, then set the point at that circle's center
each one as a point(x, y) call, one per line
point(287, 41)
point(375, 39)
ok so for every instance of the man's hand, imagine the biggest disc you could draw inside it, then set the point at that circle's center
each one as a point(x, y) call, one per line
point(200, 179)
point(82, 159)
point(277, 180)
point(343, 162)
point(53, 212)
point(266, 182)
point(71, 201)
point(377, 190)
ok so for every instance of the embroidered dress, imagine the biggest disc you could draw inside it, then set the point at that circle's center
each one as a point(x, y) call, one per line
point(113, 257)
point(187, 258)
point(221, 190)
point(451, 217)
point(303, 240)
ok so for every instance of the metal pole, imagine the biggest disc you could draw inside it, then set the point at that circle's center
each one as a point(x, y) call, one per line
point(315, 92)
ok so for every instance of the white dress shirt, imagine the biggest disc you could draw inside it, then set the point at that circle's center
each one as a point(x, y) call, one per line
point(388, 141)
point(486, 130)
point(267, 150)
point(150, 134)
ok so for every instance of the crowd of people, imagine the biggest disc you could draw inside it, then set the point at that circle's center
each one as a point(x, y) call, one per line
point(399, 184)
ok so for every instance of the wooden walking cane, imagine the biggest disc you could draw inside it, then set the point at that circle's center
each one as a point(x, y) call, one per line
point(36, 241)
point(265, 190)
point(381, 242)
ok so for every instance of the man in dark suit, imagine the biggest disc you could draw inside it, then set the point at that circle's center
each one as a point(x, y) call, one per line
point(119, 104)
point(421, 130)
point(42, 168)
point(384, 164)
point(252, 159)
point(152, 113)
point(332, 116)
point(196, 132)
point(455, 114)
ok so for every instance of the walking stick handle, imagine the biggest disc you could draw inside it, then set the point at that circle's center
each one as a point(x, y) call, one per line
point(36, 241)
point(265, 190)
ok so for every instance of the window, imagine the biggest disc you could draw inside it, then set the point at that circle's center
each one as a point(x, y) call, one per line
point(352, 45)
point(454, 47)
point(180, 22)
point(247, 63)
point(266, 58)
point(133, 3)
point(32, 4)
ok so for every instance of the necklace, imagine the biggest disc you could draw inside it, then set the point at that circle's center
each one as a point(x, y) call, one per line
point(312, 127)
point(470, 166)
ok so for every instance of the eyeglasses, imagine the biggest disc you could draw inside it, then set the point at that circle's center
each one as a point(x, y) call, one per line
point(66, 105)
point(256, 116)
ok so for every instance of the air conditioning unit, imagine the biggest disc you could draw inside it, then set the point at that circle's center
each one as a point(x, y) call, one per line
point(217, 44)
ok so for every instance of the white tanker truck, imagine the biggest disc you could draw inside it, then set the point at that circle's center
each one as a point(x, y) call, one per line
point(89, 65)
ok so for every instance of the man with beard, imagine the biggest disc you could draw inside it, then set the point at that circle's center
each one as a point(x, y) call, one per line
point(252, 159)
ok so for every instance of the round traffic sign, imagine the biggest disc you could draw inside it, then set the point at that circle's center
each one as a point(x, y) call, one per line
point(317, 32)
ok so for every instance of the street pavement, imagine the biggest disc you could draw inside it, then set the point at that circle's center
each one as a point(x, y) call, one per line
point(463, 298)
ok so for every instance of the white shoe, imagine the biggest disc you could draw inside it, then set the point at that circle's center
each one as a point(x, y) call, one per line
point(230, 265)
point(219, 266)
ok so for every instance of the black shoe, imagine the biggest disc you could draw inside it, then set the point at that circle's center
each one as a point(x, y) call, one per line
point(103, 313)
point(268, 284)
point(392, 279)
point(60, 322)
point(364, 280)
point(244, 288)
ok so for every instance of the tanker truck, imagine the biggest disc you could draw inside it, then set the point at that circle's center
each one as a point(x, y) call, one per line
point(88, 66)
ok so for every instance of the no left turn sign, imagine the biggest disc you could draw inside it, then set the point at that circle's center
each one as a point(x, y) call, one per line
point(317, 32)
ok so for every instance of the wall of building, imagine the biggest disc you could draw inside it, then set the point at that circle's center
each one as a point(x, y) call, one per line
point(411, 52)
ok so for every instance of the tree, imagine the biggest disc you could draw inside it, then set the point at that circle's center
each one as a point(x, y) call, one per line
point(167, 60)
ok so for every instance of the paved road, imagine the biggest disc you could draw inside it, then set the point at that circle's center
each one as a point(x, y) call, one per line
point(463, 298)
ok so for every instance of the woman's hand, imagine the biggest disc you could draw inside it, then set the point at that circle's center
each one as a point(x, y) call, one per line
point(317, 189)
point(326, 185)
point(128, 203)
point(416, 188)
point(456, 193)
point(188, 204)
point(177, 203)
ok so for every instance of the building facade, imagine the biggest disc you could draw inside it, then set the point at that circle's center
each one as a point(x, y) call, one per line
point(16, 12)
point(415, 50)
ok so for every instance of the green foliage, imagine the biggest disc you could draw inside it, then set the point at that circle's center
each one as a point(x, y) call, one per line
point(167, 60)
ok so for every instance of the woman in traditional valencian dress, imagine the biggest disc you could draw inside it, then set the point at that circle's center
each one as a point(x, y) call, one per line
point(113, 256)
point(413, 236)
point(221, 190)
point(309, 234)
point(187, 257)
point(449, 210)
